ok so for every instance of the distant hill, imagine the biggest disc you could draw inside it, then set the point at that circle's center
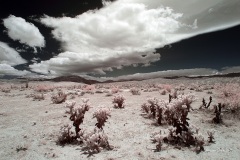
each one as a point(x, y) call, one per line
point(77, 79)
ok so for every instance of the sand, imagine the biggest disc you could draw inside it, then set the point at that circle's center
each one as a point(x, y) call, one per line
point(29, 129)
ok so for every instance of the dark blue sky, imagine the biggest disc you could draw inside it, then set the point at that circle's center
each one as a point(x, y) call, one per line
point(212, 50)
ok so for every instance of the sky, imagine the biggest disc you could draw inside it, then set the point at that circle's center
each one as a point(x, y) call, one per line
point(120, 38)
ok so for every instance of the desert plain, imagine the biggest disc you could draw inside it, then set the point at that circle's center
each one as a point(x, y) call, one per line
point(30, 127)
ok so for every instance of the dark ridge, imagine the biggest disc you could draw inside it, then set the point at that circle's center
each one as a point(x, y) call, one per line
point(228, 75)
point(77, 79)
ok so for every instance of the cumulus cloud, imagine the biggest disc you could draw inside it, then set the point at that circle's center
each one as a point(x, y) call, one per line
point(6, 69)
point(115, 36)
point(123, 31)
point(25, 32)
point(9, 56)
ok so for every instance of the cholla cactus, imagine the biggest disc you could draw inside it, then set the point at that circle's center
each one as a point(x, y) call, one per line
point(96, 140)
point(145, 108)
point(66, 135)
point(118, 101)
point(210, 136)
point(102, 115)
point(155, 108)
point(157, 138)
point(70, 105)
point(199, 140)
point(77, 116)
point(187, 100)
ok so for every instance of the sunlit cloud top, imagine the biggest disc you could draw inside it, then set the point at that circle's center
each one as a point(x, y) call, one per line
point(121, 32)
point(24, 32)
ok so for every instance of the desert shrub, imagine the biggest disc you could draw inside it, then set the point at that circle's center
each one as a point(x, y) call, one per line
point(88, 87)
point(230, 96)
point(163, 92)
point(114, 90)
point(180, 87)
point(59, 98)
point(108, 94)
point(118, 101)
point(135, 91)
point(38, 97)
point(99, 91)
point(167, 87)
point(6, 90)
point(44, 88)
point(101, 114)
point(174, 93)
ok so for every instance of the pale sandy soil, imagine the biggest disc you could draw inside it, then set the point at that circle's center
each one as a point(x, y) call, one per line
point(33, 126)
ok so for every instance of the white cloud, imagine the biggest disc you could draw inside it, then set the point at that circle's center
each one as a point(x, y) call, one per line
point(25, 32)
point(75, 63)
point(6, 69)
point(121, 32)
point(9, 56)
point(234, 69)
point(115, 36)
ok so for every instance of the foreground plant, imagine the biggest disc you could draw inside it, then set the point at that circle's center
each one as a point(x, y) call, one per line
point(205, 104)
point(101, 114)
point(218, 115)
point(77, 116)
point(185, 137)
point(169, 111)
point(95, 141)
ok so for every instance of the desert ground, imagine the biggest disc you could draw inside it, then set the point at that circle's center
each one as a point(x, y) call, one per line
point(30, 126)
